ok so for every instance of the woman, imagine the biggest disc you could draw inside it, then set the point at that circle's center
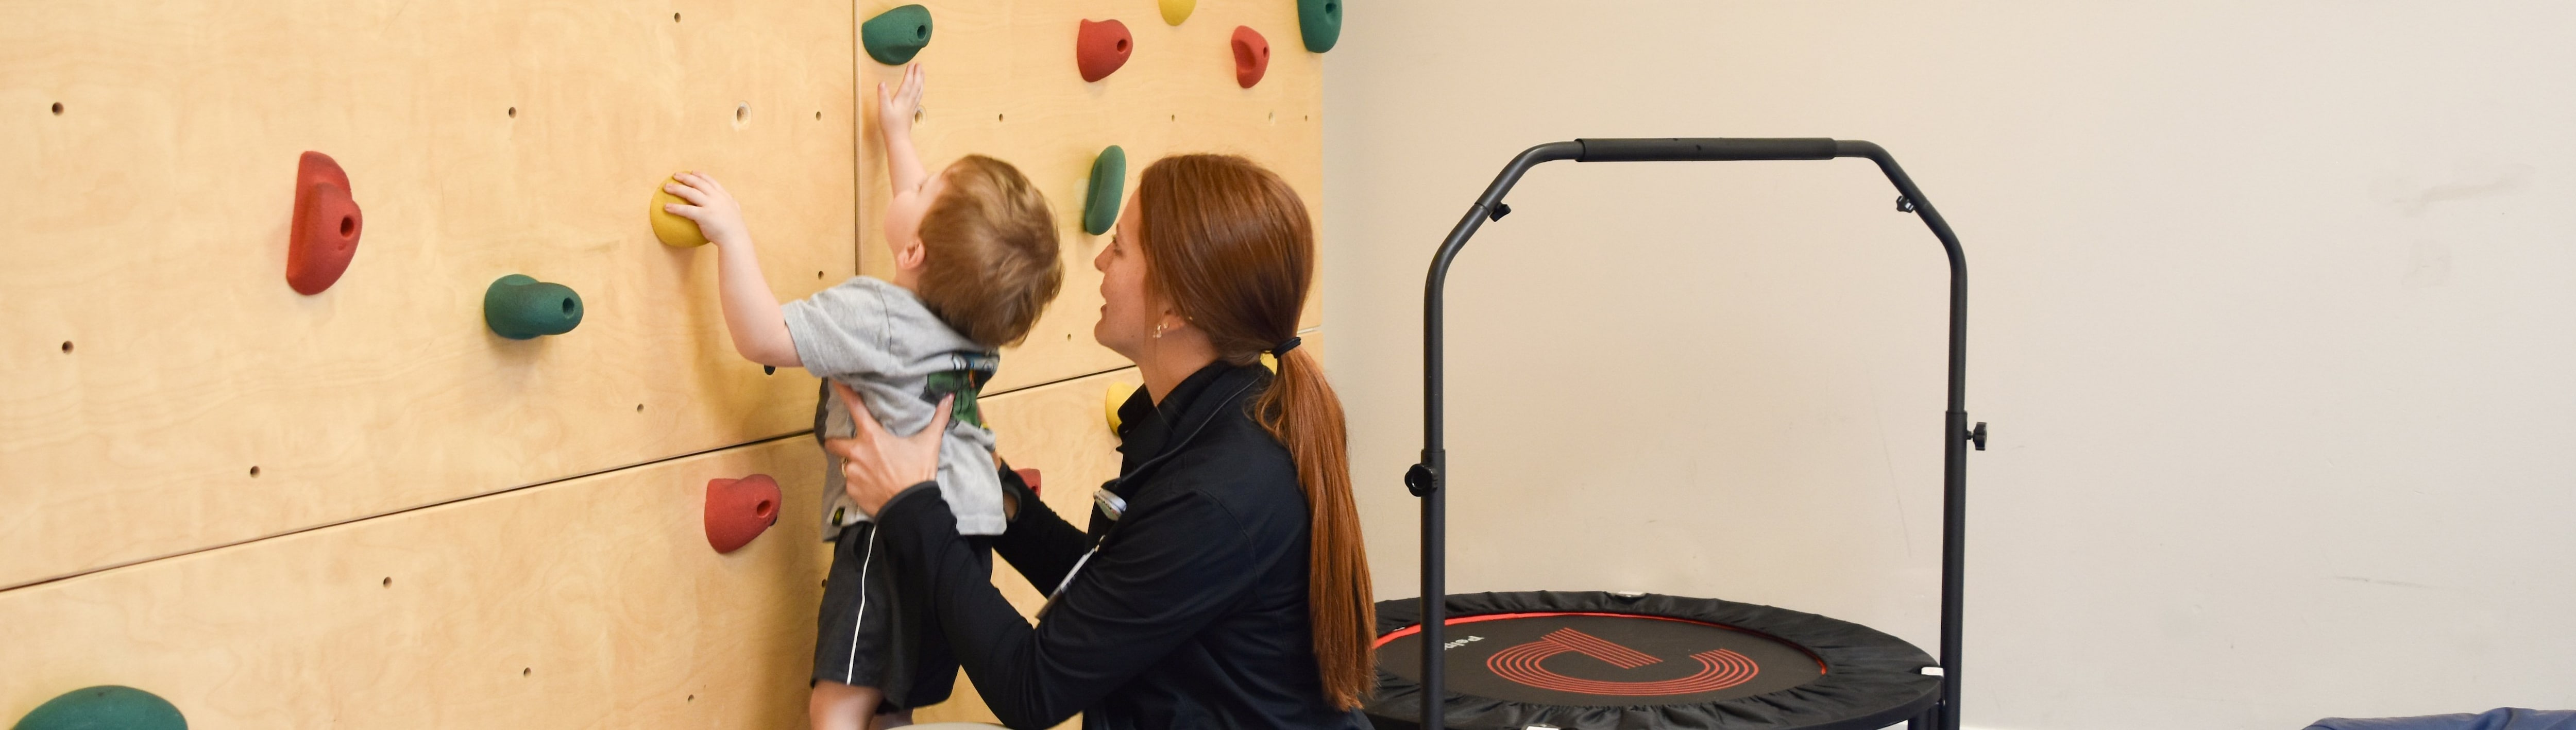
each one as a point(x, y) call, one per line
point(1229, 587)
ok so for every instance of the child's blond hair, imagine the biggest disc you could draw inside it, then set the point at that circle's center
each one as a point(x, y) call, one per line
point(990, 264)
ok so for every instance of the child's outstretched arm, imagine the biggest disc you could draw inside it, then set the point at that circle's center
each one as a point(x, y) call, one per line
point(750, 311)
point(894, 123)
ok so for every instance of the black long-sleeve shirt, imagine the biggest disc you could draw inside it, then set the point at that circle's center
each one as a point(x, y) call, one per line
point(1191, 614)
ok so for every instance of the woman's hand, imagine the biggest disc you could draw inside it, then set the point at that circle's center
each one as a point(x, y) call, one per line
point(876, 465)
point(718, 216)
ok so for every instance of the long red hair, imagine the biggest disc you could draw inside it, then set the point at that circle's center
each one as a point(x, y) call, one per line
point(1231, 246)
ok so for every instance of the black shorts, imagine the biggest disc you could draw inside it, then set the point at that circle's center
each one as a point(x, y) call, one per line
point(870, 636)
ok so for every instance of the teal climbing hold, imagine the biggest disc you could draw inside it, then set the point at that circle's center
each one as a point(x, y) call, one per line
point(1320, 21)
point(104, 707)
point(894, 35)
point(1108, 181)
point(520, 308)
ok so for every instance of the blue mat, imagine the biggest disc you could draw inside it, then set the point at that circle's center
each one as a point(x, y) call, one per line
point(2501, 718)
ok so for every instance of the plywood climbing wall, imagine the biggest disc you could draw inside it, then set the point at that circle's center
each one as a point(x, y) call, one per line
point(1003, 83)
point(360, 507)
point(166, 391)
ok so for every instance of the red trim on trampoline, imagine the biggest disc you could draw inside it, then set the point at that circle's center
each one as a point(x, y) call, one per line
point(1718, 669)
point(1417, 628)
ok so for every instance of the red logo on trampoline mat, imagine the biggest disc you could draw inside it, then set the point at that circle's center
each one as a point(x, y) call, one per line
point(1719, 668)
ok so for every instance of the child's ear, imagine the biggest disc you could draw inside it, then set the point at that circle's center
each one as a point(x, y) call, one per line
point(909, 255)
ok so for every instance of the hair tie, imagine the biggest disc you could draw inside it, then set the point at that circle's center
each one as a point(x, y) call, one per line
point(1281, 349)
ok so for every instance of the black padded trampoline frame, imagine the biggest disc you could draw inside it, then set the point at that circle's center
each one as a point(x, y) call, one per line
point(1426, 478)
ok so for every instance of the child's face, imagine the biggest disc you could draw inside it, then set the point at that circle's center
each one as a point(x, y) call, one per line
point(903, 216)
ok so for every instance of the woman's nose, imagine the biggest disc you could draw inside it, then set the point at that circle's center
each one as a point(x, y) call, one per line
point(1101, 262)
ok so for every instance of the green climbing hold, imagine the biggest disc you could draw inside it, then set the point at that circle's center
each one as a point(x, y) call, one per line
point(520, 308)
point(1320, 21)
point(105, 707)
point(1100, 201)
point(894, 35)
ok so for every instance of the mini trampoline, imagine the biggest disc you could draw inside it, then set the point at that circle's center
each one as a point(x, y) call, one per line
point(1627, 661)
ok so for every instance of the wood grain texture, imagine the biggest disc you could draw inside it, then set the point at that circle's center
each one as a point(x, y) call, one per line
point(1059, 430)
point(154, 355)
point(592, 602)
point(1002, 83)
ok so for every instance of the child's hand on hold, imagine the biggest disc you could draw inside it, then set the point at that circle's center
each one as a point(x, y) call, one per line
point(718, 216)
point(895, 109)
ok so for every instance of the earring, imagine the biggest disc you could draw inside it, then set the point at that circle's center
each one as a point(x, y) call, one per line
point(1158, 329)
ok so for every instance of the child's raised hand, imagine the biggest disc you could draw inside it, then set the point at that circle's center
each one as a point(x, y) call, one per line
point(718, 216)
point(896, 108)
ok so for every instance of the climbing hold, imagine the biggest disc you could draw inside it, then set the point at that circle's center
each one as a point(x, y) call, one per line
point(1100, 200)
point(1117, 396)
point(1029, 477)
point(1100, 48)
point(739, 509)
point(1175, 11)
point(894, 35)
point(1320, 21)
point(327, 223)
point(1251, 56)
point(104, 707)
point(669, 227)
point(519, 307)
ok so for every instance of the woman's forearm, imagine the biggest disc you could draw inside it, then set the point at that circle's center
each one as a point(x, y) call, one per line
point(989, 638)
point(1038, 542)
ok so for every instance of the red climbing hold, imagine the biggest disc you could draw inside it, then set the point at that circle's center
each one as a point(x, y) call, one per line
point(1251, 56)
point(1031, 477)
point(1100, 48)
point(327, 223)
point(739, 509)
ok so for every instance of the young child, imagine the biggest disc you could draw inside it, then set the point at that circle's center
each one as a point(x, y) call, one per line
point(975, 262)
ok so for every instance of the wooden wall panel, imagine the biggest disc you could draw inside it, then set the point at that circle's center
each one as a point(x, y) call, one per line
point(592, 602)
point(154, 355)
point(1003, 83)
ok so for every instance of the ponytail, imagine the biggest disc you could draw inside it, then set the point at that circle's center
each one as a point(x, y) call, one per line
point(1301, 411)
point(1232, 247)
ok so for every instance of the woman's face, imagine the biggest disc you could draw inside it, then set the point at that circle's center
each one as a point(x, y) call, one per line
point(1128, 308)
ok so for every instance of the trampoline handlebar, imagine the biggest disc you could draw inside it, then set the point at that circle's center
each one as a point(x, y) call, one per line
point(1694, 149)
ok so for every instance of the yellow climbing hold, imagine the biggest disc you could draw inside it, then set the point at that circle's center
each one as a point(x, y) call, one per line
point(1175, 11)
point(671, 229)
point(1117, 396)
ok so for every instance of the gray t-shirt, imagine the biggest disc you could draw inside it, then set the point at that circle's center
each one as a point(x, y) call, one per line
point(880, 340)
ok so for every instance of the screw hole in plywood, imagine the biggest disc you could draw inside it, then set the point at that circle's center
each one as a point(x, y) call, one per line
point(769, 370)
point(389, 581)
point(58, 108)
point(818, 275)
point(525, 671)
point(818, 116)
point(742, 112)
point(514, 112)
point(675, 17)
point(254, 472)
point(639, 408)
point(67, 347)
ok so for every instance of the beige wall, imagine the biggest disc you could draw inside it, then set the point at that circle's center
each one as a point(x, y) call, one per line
point(2272, 316)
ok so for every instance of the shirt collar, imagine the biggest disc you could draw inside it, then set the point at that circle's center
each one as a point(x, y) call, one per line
point(1146, 428)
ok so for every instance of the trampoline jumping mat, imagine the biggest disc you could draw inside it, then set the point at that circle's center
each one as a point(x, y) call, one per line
point(1600, 660)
